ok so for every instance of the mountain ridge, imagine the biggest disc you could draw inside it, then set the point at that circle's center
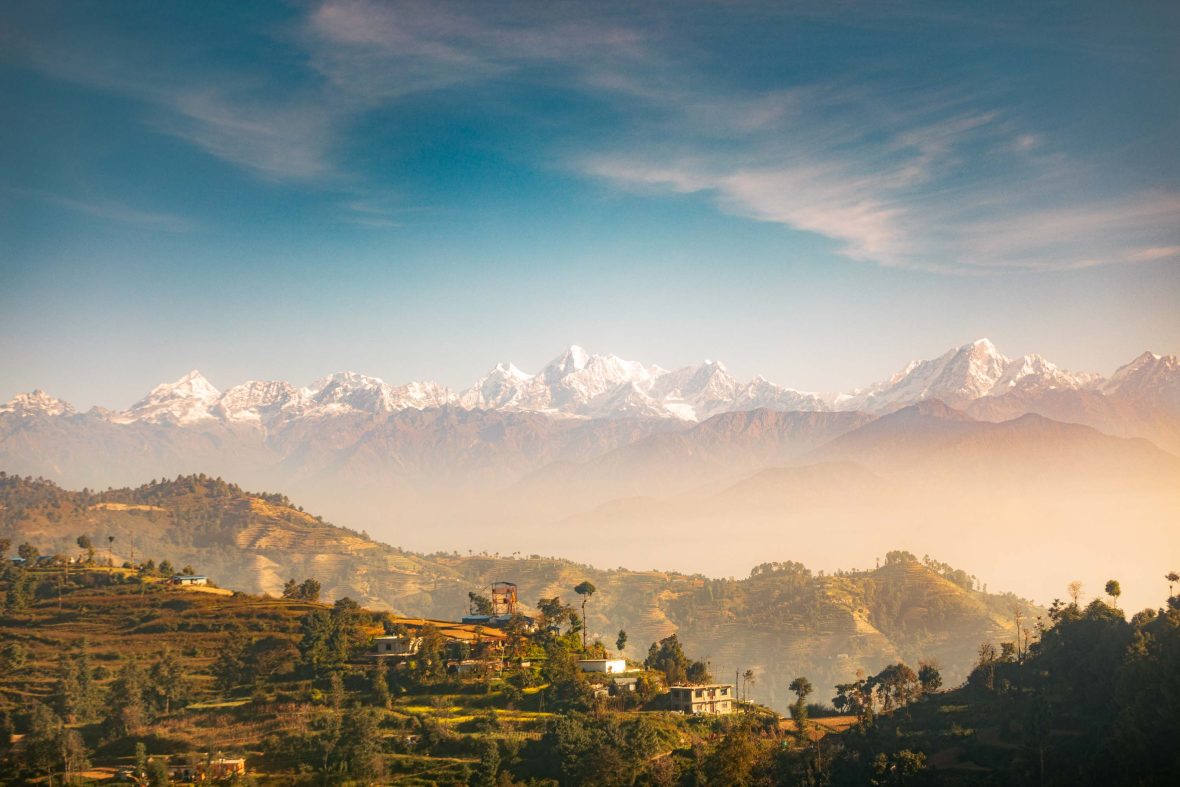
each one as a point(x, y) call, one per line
point(579, 384)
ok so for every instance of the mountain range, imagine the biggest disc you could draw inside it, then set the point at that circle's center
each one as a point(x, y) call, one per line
point(970, 454)
point(579, 384)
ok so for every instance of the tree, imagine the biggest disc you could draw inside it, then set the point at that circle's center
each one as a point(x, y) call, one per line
point(126, 712)
point(229, 668)
point(929, 677)
point(309, 590)
point(268, 657)
point(802, 689)
point(489, 763)
point(585, 589)
point(428, 663)
point(13, 657)
point(28, 552)
point(1171, 576)
point(553, 612)
point(50, 746)
point(85, 543)
point(167, 684)
point(360, 744)
point(40, 742)
point(896, 685)
point(380, 685)
point(479, 605)
point(5, 545)
point(1075, 591)
point(157, 772)
point(733, 761)
point(141, 758)
point(668, 657)
point(111, 550)
point(621, 641)
point(19, 594)
point(1114, 591)
point(67, 691)
point(698, 672)
point(856, 698)
point(290, 588)
point(748, 678)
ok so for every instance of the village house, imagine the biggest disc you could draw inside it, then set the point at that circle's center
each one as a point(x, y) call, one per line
point(394, 645)
point(602, 665)
point(475, 666)
point(190, 579)
point(226, 768)
point(713, 700)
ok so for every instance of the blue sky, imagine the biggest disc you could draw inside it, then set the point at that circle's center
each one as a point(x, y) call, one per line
point(816, 192)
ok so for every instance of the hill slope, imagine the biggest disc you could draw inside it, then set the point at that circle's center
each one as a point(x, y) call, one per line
point(779, 622)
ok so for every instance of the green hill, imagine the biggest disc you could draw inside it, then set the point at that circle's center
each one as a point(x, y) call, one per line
point(781, 622)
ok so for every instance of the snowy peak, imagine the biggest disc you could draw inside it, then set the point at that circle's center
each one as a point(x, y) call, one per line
point(1151, 380)
point(504, 387)
point(574, 359)
point(257, 401)
point(345, 392)
point(961, 376)
point(581, 384)
point(37, 403)
point(420, 395)
point(187, 400)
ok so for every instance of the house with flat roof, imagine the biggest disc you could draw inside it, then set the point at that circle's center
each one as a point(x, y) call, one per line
point(602, 665)
point(714, 700)
point(190, 579)
point(394, 645)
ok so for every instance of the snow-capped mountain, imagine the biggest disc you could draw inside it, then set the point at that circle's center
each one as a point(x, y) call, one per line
point(257, 401)
point(962, 375)
point(415, 439)
point(577, 383)
point(186, 401)
point(346, 392)
point(581, 385)
point(36, 403)
point(1151, 380)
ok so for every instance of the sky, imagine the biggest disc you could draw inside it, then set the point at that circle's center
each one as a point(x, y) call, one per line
point(817, 192)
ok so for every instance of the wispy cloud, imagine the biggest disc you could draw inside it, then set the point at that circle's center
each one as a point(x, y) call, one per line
point(915, 173)
point(952, 186)
point(113, 211)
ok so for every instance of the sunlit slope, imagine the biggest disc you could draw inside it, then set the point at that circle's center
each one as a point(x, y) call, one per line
point(778, 621)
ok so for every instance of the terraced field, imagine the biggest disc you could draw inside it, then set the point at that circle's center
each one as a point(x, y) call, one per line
point(782, 623)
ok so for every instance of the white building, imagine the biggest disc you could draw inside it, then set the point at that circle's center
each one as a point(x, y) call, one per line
point(396, 646)
point(190, 579)
point(602, 665)
point(714, 700)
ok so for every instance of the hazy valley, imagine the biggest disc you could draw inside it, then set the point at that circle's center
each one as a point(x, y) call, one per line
point(972, 456)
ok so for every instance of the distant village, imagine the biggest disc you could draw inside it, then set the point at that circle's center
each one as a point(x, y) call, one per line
point(476, 645)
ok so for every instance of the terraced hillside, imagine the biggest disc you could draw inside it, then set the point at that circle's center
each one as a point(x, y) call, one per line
point(781, 621)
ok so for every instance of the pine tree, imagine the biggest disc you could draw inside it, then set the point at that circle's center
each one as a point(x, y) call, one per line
point(67, 690)
point(381, 695)
point(489, 763)
point(167, 685)
point(229, 669)
point(360, 744)
point(126, 714)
